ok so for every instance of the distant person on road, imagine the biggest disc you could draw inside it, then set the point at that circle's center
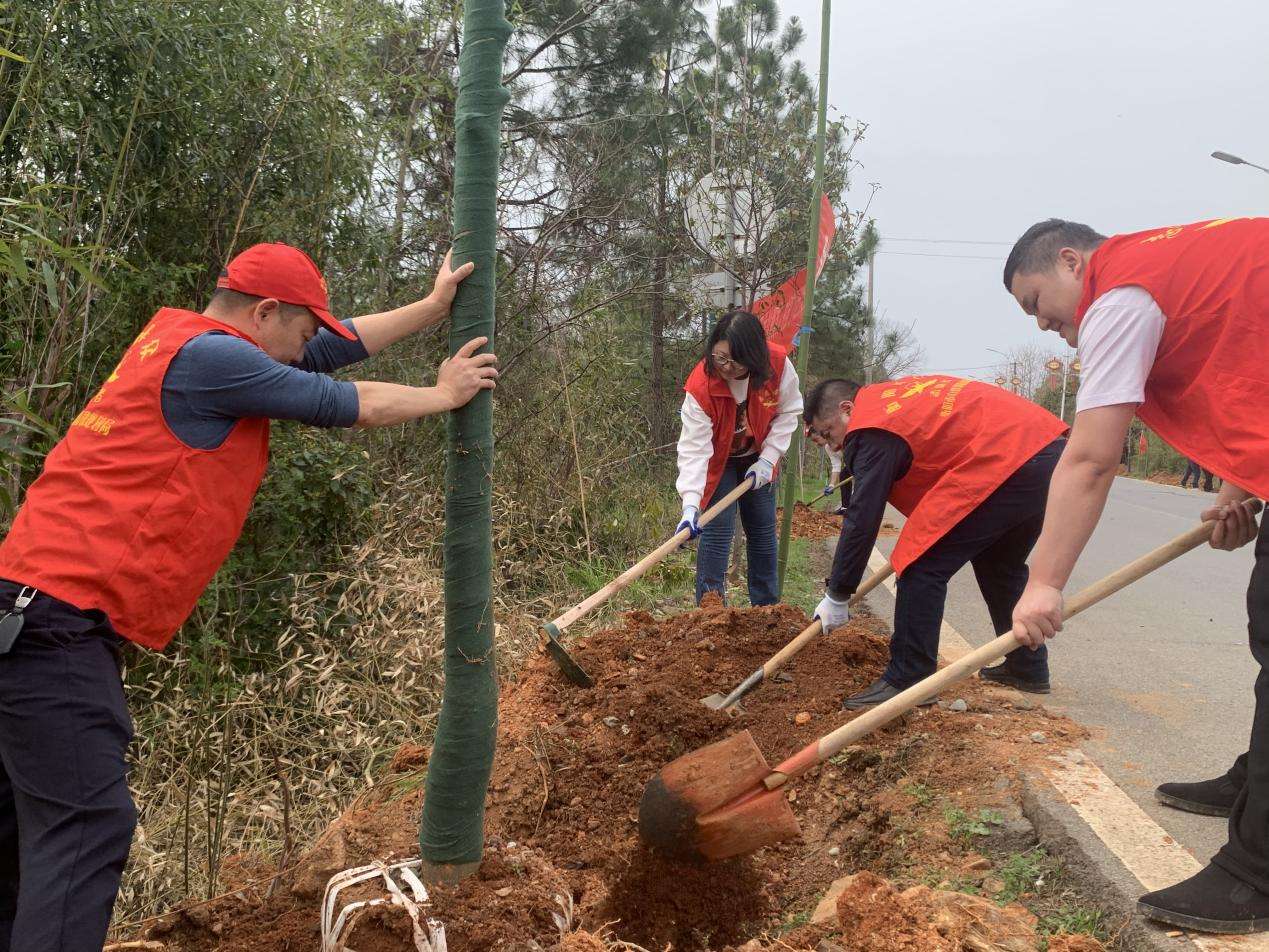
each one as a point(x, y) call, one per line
point(134, 512)
point(739, 413)
point(969, 465)
point(1172, 325)
point(1191, 474)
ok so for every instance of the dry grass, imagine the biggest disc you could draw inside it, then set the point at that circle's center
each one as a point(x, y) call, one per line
point(254, 749)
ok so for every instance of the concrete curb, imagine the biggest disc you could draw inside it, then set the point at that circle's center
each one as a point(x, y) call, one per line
point(1099, 872)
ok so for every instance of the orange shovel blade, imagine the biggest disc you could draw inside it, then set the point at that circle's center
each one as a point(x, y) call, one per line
point(691, 809)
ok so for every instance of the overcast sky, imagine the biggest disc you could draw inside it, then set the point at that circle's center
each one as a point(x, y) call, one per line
point(986, 116)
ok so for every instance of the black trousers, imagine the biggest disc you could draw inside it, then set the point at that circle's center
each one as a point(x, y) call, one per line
point(996, 538)
point(1246, 854)
point(1191, 473)
point(66, 817)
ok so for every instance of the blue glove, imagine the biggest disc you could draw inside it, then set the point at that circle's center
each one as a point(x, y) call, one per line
point(832, 613)
point(761, 472)
point(828, 490)
point(689, 522)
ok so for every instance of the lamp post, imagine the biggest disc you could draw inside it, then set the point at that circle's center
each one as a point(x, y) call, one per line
point(1014, 380)
point(1235, 160)
point(1067, 367)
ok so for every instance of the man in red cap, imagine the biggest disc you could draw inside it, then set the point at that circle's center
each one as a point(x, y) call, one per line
point(135, 510)
point(1171, 327)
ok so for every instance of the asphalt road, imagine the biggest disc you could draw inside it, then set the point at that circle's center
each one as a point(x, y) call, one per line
point(1159, 673)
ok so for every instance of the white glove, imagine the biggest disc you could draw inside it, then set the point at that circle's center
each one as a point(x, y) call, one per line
point(832, 613)
point(761, 472)
point(688, 522)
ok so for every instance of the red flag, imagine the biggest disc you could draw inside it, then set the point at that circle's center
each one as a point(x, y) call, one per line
point(1142, 444)
point(781, 311)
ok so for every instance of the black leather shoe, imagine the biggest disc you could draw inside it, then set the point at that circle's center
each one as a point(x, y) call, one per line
point(1210, 901)
point(877, 692)
point(1208, 797)
point(1001, 674)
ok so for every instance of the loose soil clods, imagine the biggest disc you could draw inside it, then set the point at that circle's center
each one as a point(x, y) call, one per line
point(564, 863)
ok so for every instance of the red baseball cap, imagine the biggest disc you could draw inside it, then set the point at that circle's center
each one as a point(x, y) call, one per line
point(275, 270)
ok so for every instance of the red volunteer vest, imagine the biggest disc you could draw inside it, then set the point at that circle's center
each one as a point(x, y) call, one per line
point(1208, 391)
point(125, 517)
point(966, 439)
point(715, 398)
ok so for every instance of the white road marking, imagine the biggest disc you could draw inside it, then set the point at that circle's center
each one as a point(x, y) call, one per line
point(1145, 848)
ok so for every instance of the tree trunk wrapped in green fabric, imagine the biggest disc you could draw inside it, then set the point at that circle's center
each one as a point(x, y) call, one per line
point(451, 835)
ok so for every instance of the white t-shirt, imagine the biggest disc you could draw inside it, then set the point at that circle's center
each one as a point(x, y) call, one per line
point(696, 440)
point(1118, 339)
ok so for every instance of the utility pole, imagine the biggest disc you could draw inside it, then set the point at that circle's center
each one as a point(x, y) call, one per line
point(808, 297)
point(872, 322)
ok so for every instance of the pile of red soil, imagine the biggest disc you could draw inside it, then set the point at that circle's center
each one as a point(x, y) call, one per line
point(813, 522)
point(563, 849)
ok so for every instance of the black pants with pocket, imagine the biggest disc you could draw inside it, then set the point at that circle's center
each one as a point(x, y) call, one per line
point(66, 816)
point(1246, 854)
point(996, 538)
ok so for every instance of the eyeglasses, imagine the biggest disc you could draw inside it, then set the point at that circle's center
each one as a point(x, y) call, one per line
point(816, 432)
point(721, 360)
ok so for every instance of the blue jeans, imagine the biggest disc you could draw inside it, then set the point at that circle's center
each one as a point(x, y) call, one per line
point(757, 515)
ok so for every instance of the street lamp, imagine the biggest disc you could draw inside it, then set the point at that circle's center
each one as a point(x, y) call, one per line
point(1235, 160)
point(1073, 367)
point(1013, 367)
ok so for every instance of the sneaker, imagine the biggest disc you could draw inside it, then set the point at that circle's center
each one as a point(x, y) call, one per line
point(1207, 798)
point(879, 691)
point(1001, 674)
point(1211, 900)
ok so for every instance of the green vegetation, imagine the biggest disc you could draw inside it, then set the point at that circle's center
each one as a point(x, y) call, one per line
point(1022, 873)
point(143, 144)
point(965, 826)
point(920, 792)
point(1076, 919)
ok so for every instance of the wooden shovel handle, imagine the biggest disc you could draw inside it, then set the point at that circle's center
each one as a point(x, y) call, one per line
point(783, 656)
point(652, 558)
point(831, 489)
point(818, 751)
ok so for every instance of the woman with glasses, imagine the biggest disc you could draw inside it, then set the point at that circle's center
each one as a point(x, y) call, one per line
point(740, 410)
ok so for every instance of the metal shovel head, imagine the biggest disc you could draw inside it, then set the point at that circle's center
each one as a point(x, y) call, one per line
point(707, 785)
point(714, 701)
point(564, 661)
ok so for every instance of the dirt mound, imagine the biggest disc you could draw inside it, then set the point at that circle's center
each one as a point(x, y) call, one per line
point(813, 522)
point(1074, 943)
point(876, 917)
point(564, 852)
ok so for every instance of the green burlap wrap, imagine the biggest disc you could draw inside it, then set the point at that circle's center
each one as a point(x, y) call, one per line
point(451, 829)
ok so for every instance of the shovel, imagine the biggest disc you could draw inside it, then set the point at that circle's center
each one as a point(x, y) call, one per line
point(724, 800)
point(553, 629)
point(718, 702)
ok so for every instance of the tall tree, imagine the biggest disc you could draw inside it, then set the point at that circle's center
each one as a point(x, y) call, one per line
point(451, 830)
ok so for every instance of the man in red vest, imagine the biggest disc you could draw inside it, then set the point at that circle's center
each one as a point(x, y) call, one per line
point(1172, 325)
point(969, 465)
point(135, 510)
